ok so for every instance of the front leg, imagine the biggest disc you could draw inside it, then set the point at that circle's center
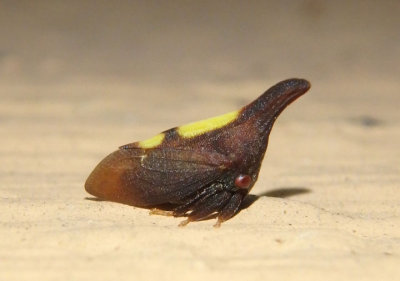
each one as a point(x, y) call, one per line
point(230, 209)
point(202, 209)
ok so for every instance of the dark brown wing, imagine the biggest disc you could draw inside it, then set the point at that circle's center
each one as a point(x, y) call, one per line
point(155, 176)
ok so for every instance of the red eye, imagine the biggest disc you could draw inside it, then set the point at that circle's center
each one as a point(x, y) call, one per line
point(243, 181)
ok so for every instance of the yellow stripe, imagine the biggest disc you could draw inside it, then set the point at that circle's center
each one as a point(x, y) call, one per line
point(203, 126)
point(152, 142)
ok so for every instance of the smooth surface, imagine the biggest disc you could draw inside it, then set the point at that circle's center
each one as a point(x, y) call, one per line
point(77, 81)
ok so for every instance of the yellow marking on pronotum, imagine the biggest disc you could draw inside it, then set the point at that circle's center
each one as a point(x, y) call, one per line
point(152, 142)
point(203, 126)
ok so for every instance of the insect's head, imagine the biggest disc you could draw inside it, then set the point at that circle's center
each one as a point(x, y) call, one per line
point(244, 183)
point(240, 182)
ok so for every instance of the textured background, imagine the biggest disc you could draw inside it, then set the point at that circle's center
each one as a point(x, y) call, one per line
point(79, 79)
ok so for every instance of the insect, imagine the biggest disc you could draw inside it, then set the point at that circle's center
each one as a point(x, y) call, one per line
point(200, 170)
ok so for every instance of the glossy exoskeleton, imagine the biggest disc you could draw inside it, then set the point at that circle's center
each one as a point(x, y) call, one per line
point(197, 170)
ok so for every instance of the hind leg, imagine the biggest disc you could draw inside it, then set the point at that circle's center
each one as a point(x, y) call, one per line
point(156, 211)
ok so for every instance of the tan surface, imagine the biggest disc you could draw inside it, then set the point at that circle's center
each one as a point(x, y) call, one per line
point(79, 80)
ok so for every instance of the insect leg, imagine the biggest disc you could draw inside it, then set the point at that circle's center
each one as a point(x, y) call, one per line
point(230, 209)
point(207, 207)
point(197, 198)
point(156, 211)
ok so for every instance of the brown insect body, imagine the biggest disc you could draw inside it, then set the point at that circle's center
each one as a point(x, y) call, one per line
point(198, 172)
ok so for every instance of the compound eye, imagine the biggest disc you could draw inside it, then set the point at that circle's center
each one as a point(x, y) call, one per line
point(243, 181)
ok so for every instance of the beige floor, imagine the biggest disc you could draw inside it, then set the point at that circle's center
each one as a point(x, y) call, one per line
point(77, 81)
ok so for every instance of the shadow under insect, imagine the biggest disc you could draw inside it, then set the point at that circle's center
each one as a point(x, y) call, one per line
point(283, 192)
